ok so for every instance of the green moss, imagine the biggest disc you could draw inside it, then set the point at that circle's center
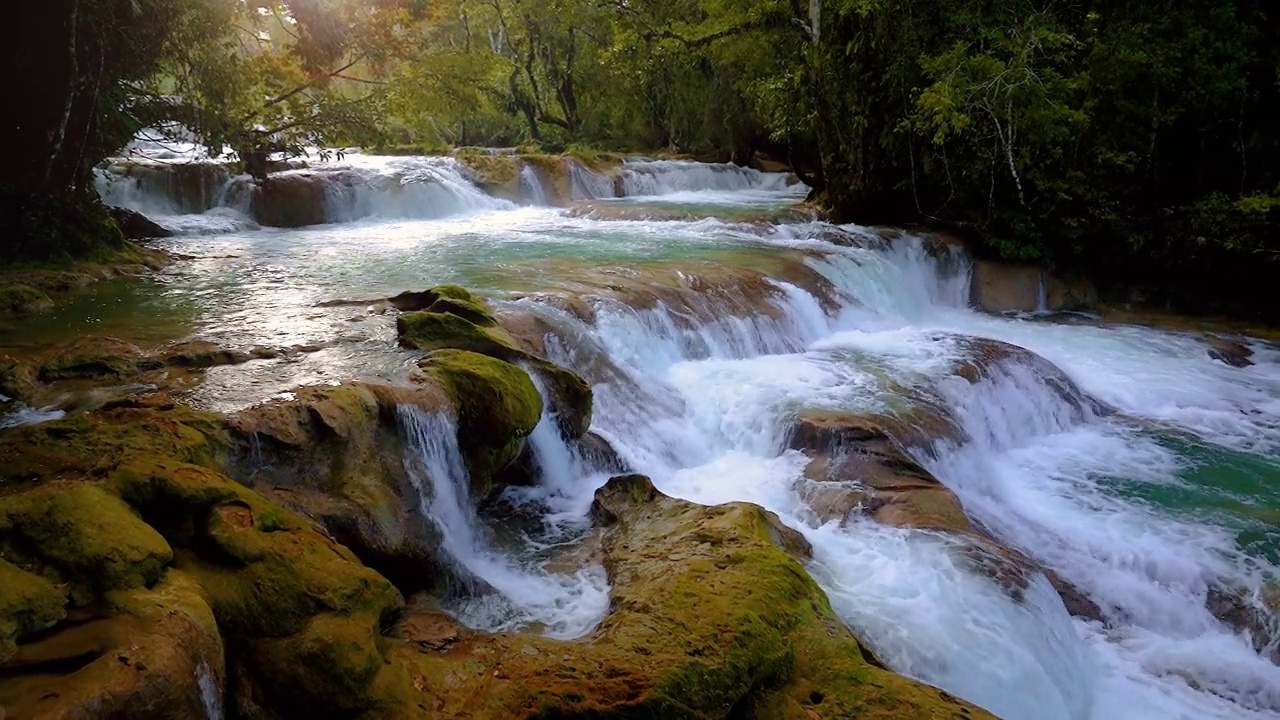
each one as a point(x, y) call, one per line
point(498, 406)
point(23, 300)
point(571, 396)
point(325, 670)
point(82, 535)
point(438, 330)
point(83, 444)
point(499, 174)
point(27, 603)
point(457, 320)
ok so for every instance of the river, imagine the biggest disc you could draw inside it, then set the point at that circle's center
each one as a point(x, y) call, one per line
point(1158, 487)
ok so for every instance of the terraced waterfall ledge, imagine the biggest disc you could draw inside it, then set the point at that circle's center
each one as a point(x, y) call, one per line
point(159, 561)
point(514, 435)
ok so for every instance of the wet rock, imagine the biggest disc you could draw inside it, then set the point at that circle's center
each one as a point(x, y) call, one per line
point(984, 358)
point(136, 226)
point(203, 354)
point(336, 455)
point(291, 200)
point(144, 657)
point(28, 603)
point(95, 357)
point(999, 287)
point(712, 615)
point(860, 468)
point(17, 379)
point(17, 299)
point(498, 406)
point(1231, 352)
point(1255, 612)
point(457, 320)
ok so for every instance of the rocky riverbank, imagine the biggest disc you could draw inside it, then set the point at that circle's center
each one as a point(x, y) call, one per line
point(161, 561)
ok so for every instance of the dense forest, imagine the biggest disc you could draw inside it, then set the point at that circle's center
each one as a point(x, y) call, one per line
point(1135, 141)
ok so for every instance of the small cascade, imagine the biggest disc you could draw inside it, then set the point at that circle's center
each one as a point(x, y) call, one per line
point(1042, 296)
point(504, 593)
point(365, 186)
point(210, 693)
point(587, 184)
point(665, 177)
point(161, 189)
point(907, 278)
point(20, 414)
point(531, 185)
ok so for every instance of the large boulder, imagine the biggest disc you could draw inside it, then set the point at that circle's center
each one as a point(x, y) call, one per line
point(497, 404)
point(712, 616)
point(136, 226)
point(337, 454)
point(134, 560)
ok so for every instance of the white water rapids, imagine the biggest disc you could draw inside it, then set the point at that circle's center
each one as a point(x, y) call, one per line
point(1138, 509)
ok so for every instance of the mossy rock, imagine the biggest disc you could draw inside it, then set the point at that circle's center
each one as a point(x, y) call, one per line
point(456, 319)
point(145, 654)
point(27, 603)
point(712, 615)
point(498, 174)
point(17, 379)
point(96, 357)
point(201, 354)
point(439, 330)
point(498, 406)
point(93, 443)
point(325, 670)
point(79, 534)
point(571, 397)
point(267, 571)
point(23, 300)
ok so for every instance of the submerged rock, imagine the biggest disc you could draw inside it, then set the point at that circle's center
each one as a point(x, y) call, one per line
point(860, 467)
point(18, 299)
point(1255, 613)
point(1235, 354)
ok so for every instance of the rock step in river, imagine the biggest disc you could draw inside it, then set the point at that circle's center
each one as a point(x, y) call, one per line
point(1045, 519)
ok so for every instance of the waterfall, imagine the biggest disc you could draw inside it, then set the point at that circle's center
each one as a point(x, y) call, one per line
point(210, 692)
point(587, 184)
point(664, 177)
point(509, 593)
point(531, 185)
point(1124, 459)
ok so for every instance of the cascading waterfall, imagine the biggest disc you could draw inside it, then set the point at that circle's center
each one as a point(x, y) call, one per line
point(587, 184)
point(531, 185)
point(699, 390)
point(663, 177)
point(707, 423)
point(503, 593)
point(404, 188)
